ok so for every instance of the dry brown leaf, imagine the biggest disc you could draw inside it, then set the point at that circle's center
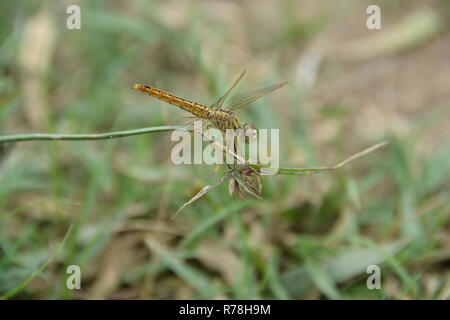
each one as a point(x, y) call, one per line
point(221, 259)
point(120, 253)
point(36, 49)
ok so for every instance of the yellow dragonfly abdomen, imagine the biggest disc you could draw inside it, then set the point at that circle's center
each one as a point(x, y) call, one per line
point(226, 118)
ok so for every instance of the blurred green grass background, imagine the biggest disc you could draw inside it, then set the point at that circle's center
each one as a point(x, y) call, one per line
point(313, 237)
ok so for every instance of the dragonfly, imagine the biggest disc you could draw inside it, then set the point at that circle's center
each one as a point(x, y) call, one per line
point(221, 113)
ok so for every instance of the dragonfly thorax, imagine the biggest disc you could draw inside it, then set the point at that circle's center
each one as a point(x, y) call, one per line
point(225, 119)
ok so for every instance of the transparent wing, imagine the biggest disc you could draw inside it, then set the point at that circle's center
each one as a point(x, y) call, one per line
point(243, 99)
point(164, 144)
point(218, 104)
point(189, 120)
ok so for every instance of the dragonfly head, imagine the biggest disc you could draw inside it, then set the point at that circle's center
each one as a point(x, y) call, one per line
point(250, 132)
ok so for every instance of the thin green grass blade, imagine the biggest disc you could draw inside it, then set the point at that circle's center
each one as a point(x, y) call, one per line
point(38, 271)
point(95, 136)
point(210, 222)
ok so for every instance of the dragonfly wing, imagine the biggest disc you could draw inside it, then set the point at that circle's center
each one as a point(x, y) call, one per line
point(164, 144)
point(218, 104)
point(189, 121)
point(243, 99)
